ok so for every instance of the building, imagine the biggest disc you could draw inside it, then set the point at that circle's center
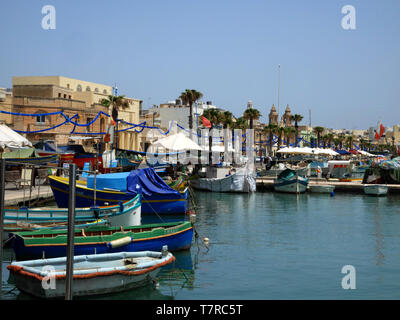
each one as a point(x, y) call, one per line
point(6, 105)
point(130, 139)
point(73, 97)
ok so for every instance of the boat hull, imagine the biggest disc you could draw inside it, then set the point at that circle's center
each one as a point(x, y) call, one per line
point(321, 188)
point(375, 190)
point(235, 183)
point(294, 185)
point(93, 274)
point(157, 204)
point(175, 236)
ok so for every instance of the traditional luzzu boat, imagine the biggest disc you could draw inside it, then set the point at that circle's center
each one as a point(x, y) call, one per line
point(102, 239)
point(291, 182)
point(92, 274)
point(376, 189)
point(127, 213)
point(156, 196)
point(29, 156)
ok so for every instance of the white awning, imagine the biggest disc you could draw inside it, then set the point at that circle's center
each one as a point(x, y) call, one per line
point(177, 142)
point(12, 139)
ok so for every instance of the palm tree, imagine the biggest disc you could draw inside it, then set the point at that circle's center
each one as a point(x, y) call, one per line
point(297, 118)
point(188, 97)
point(251, 114)
point(280, 131)
point(289, 132)
point(329, 138)
point(227, 119)
point(115, 104)
point(349, 141)
point(271, 129)
point(341, 139)
point(215, 116)
point(318, 130)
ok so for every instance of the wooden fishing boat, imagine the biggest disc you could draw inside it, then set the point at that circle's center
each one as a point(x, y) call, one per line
point(376, 189)
point(81, 156)
point(102, 239)
point(157, 196)
point(321, 188)
point(291, 182)
point(48, 148)
point(127, 213)
point(29, 156)
point(21, 226)
point(92, 274)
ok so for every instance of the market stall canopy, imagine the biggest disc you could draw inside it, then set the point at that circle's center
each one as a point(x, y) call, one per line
point(12, 139)
point(327, 151)
point(296, 150)
point(177, 142)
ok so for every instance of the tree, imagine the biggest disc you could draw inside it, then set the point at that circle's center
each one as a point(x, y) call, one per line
point(251, 114)
point(114, 105)
point(280, 131)
point(318, 130)
point(227, 119)
point(271, 130)
point(215, 116)
point(349, 141)
point(289, 132)
point(297, 118)
point(188, 97)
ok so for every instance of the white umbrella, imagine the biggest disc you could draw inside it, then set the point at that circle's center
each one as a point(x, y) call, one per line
point(10, 138)
point(177, 142)
point(325, 151)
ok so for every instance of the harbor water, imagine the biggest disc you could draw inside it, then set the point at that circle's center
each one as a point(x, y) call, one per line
point(280, 246)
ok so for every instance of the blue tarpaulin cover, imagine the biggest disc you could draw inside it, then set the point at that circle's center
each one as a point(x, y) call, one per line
point(116, 181)
point(147, 182)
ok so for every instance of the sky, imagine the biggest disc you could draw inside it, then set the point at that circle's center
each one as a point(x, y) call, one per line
point(228, 50)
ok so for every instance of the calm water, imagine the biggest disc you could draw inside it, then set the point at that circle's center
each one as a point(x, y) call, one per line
point(282, 246)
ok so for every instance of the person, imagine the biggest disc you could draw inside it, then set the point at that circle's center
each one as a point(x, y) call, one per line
point(268, 164)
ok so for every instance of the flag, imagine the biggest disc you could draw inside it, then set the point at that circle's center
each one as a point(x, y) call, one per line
point(381, 130)
point(206, 122)
point(377, 137)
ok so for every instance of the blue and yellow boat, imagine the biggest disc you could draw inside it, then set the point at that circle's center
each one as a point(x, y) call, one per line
point(156, 196)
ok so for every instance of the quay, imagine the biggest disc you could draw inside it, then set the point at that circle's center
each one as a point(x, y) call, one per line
point(15, 197)
point(267, 184)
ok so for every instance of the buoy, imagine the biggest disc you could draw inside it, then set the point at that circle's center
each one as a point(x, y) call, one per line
point(120, 242)
point(206, 240)
point(332, 194)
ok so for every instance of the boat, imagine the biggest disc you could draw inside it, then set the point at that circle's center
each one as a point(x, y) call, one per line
point(92, 274)
point(127, 213)
point(376, 189)
point(103, 239)
point(21, 226)
point(29, 156)
point(48, 148)
point(157, 196)
point(81, 156)
point(128, 159)
point(226, 180)
point(291, 182)
point(321, 188)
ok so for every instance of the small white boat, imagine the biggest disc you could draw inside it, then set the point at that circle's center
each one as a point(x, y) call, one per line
point(92, 274)
point(240, 180)
point(376, 189)
point(291, 182)
point(321, 188)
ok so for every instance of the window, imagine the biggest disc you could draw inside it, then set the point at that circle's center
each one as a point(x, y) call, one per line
point(89, 128)
point(65, 96)
point(69, 97)
point(96, 90)
point(40, 119)
point(87, 88)
point(79, 88)
point(68, 85)
point(105, 91)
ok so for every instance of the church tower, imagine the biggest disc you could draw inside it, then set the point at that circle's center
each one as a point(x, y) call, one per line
point(273, 116)
point(286, 120)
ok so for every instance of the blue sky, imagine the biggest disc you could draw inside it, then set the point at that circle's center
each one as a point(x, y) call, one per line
point(228, 50)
